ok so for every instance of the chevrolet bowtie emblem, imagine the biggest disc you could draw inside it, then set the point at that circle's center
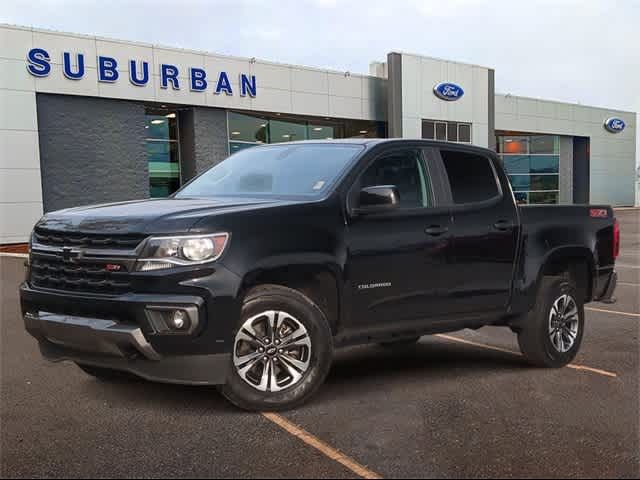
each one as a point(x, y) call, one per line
point(68, 254)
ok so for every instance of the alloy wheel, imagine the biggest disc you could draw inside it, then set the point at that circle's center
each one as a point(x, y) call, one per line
point(564, 322)
point(272, 351)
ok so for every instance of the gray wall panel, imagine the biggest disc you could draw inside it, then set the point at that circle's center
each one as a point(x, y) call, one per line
point(92, 150)
point(566, 170)
point(211, 137)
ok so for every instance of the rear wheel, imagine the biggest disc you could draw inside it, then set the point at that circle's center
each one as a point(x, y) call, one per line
point(282, 350)
point(552, 334)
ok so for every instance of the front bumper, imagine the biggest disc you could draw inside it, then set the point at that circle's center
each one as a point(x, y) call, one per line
point(109, 344)
point(117, 333)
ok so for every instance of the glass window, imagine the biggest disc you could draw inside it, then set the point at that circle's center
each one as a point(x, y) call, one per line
point(441, 131)
point(464, 133)
point(544, 182)
point(251, 130)
point(471, 176)
point(517, 163)
point(543, 197)
point(545, 163)
point(522, 198)
point(514, 145)
point(541, 144)
point(520, 183)
point(286, 131)
point(321, 132)
point(163, 153)
point(406, 172)
point(452, 132)
point(284, 171)
point(533, 165)
point(248, 128)
point(428, 130)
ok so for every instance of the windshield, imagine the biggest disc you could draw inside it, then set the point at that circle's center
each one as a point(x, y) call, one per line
point(301, 170)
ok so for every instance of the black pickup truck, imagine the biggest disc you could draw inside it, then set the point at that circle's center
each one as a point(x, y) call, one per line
point(252, 274)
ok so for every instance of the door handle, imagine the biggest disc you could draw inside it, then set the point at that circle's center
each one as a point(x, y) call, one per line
point(436, 230)
point(503, 225)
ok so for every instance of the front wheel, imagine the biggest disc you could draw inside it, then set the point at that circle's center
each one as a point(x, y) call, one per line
point(554, 329)
point(282, 350)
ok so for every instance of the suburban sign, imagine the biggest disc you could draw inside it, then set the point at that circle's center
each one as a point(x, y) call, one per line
point(108, 71)
point(614, 125)
point(448, 91)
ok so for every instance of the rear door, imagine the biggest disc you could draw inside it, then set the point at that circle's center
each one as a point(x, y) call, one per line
point(398, 261)
point(484, 231)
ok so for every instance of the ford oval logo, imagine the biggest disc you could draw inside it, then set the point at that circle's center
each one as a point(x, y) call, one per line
point(448, 91)
point(614, 125)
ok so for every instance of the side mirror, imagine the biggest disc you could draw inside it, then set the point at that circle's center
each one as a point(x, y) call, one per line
point(376, 199)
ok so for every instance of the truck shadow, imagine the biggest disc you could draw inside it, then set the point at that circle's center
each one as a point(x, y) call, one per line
point(355, 371)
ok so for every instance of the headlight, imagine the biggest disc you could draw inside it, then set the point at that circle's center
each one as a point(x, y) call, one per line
point(167, 252)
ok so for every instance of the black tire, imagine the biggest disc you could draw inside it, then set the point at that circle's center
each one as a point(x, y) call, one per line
point(403, 342)
point(106, 374)
point(304, 310)
point(535, 338)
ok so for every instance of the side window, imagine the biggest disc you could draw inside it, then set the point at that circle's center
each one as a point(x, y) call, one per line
point(471, 176)
point(405, 170)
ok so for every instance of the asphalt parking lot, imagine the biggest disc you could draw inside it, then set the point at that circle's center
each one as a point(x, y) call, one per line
point(461, 405)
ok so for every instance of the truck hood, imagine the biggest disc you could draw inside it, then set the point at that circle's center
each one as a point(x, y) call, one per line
point(149, 216)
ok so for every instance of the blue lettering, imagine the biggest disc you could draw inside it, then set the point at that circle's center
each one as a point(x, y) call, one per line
point(198, 82)
point(39, 65)
point(169, 73)
point(107, 69)
point(67, 67)
point(247, 85)
point(224, 84)
point(133, 73)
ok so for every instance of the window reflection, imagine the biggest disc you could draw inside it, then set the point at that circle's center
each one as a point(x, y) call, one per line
point(247, 130)
point(161, 128)
point(533, 165)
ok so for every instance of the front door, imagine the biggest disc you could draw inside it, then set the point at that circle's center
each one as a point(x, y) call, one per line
point(398, 261)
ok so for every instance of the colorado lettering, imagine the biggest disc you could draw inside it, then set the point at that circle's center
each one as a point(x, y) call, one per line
point(171, 77)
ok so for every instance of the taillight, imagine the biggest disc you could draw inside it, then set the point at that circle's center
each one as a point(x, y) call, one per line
point(616, 238)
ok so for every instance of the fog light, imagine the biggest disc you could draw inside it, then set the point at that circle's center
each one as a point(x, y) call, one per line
point(179, 320)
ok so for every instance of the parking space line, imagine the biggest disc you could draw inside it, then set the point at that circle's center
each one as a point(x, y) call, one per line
point(629, 284)
point(616, 312)
point(321, 446)
point(513, 352)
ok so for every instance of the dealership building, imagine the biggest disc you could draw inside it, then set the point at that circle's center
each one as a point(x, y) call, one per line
point(90, 120)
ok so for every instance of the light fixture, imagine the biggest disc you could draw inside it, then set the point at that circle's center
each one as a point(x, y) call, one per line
point(146, 126)
point(318, 129)
point(286, 135)
point(263, 125)
point(170, 115)
point(157, 121)
point(363, 132)
point(179, 320)
point(235, 133)
point(329, 138)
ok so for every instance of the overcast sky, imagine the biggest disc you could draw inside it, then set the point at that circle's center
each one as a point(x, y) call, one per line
point(585, 51)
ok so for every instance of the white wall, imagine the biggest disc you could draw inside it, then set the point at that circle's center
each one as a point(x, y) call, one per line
point(20, 183)
point(421, 74)
point(613, 155)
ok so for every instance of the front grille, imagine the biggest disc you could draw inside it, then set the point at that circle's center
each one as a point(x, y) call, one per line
point(71, 239)
point(86, 277)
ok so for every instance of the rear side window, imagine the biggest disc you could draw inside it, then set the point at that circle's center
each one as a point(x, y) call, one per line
point(471, 177)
